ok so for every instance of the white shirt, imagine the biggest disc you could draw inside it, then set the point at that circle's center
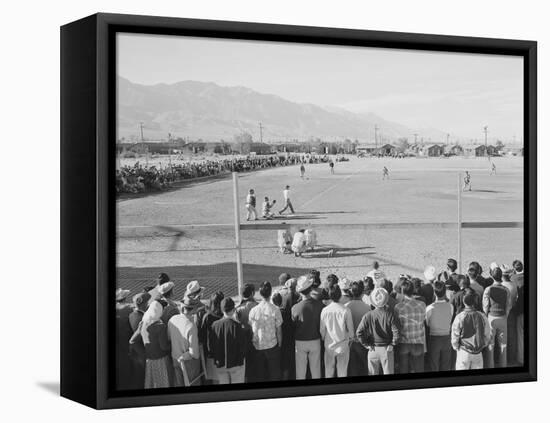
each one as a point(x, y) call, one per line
point(286, 194)
point(183, 336)
point(336, 327)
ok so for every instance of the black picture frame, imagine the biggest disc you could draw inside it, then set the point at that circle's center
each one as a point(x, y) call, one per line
point(88, 206)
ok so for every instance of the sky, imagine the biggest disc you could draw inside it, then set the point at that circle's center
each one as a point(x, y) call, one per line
point(456, 93)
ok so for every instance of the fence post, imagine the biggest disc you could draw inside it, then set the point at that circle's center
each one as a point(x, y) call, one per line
point(459, 222)
point(237, 233)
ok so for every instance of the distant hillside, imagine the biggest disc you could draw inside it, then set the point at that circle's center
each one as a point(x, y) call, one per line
point(211, 112)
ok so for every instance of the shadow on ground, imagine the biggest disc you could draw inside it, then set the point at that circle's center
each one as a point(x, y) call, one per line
point(51, 387)
point(214, 277)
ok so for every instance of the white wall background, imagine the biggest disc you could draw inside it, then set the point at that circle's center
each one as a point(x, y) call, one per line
point(29, 96)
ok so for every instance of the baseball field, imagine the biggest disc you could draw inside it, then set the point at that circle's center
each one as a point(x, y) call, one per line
point(405, 223)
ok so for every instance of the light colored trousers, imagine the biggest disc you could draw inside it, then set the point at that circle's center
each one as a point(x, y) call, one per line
point(308, 351)
point(381, 359)
point(251, 212)
point(338, 361)
point(467, 361)
point(232, 375)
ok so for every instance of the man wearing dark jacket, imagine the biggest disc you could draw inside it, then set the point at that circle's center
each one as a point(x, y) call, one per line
point(378, 332)
point(228, 345)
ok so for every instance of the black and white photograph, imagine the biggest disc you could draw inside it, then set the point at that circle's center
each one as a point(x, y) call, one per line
point(293, 212)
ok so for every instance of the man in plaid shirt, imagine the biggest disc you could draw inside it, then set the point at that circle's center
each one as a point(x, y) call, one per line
point(411, 314)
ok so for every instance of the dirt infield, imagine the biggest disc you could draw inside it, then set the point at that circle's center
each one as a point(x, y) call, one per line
point(188, 232)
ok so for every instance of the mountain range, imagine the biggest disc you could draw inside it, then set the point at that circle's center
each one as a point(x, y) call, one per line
point(206, 110)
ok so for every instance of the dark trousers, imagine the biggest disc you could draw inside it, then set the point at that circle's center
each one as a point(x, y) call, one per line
point(288, 205)
point(268, 364)
point(250, 368)
point(512, 341)
point(439, 353)
point(411, 358)
point(358, 364)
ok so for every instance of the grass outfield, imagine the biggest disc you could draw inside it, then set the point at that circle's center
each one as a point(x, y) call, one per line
point(176, 231)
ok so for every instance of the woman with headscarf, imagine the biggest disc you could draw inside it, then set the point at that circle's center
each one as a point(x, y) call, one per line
point(157, 347)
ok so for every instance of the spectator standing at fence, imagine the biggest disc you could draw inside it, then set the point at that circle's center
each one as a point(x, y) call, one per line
point(184, 340)
point(228, 344)
point(242, 312)
point(457, 300)
point(496, 305)
point(427, 288)
point(358, 354)
point(452, 280)
point(378, 332)
point(306, 316)
point(251, 206)
point(137, 349)
point(157, 348)
point(171, 307)
point(213, 314)
point(473, 276)
point(345, 286)
point(470, 335)
point(266, 321)
point(412, 314)
point(512, 343)
point(337, 331)
point(162, 278)
point(123, 334)
point(289, 297)
point(438, 323)
point(518, 278)
point(287, 202)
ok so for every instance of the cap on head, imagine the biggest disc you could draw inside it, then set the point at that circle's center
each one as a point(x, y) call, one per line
point(379, 297)
point(304, 282)
point(165, 288)
point(429, 273)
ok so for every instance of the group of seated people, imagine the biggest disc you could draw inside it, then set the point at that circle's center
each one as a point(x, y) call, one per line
point(309, 328)
point(139, 178)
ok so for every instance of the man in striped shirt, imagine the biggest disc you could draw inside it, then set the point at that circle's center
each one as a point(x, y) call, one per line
point(412, 314)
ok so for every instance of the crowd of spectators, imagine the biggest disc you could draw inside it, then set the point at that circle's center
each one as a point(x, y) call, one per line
point(307, 328)
point(139, 178)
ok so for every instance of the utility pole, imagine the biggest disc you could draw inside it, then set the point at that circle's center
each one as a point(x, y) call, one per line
point(485, 130)
point(448, 135)
point(415, 137)
point(376, 128)
point(261, 132)
point(141, 130)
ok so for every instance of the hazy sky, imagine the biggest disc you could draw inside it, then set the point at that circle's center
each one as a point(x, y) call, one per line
point(454, 92)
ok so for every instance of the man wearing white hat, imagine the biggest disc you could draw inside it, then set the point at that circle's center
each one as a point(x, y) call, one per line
point(306, 319)
point(379, 332)
point(184, 338)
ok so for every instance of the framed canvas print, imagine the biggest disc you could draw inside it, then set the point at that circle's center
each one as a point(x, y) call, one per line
point(253, 211)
